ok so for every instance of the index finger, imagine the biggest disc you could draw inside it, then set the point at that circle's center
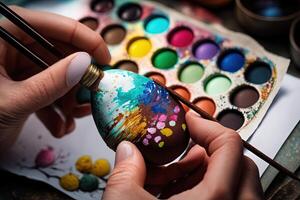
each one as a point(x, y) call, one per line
point(62, 29)
point(224, 148)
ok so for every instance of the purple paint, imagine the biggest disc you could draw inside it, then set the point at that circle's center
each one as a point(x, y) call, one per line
point(206, 50)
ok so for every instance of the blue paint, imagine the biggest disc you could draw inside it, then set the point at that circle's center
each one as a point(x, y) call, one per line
point(271, 11)
point(155, 97)
point(231, 61)
point(157, 24)
point(258, 73)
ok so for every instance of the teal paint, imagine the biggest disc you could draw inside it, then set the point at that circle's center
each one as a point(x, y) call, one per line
point(157, 24)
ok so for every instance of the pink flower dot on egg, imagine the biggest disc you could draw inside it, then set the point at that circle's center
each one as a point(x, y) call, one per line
point(173, 117)
point(176, 109)
point(145, 141)
point(163, 118)
point(155, 118)
point(160, 125)
point(151, 130)
point(157, 139)
point(148, 136)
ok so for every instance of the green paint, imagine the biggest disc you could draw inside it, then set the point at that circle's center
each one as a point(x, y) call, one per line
point(217, 85)
point(165, 59)
point(88, 182)
point(191, 73)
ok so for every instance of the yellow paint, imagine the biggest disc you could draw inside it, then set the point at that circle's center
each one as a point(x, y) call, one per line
point(101, 168)
point(139, 47)
point(84, 164)
point(183, 126)
point(133, 127)
point(161, 144)
point(167, 132)
point(69, 182)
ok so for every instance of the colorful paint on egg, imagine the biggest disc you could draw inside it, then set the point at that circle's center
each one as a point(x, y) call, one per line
point(132, 107)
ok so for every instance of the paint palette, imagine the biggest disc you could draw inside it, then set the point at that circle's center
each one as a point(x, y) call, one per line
point(227, 74)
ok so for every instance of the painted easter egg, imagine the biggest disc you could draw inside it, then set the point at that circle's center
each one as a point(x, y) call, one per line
point(132, 107)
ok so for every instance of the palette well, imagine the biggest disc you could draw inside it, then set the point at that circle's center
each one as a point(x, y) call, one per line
point(267, 17)
point(227, 74)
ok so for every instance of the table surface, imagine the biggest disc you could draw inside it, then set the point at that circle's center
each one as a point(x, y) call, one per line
point(15, 187)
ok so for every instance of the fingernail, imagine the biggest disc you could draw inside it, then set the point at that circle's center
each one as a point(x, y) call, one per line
point(124, 151)
point(77, 68)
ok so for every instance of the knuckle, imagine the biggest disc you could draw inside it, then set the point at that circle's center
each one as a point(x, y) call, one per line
point(122, 176)
point(41, 89)
point(231, 136)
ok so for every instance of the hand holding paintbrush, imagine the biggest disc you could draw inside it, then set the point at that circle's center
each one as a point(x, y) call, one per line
point(22, 93)
point(69, 67)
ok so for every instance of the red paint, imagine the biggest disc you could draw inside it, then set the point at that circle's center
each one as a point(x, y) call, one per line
point(181, 37)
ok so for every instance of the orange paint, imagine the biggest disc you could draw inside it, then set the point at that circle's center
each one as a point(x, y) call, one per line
point(157, 77)
point(207, 105)
point(184, 93)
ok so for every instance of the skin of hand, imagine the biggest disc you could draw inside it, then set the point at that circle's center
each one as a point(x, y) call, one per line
point(214, 168)
point(25, 88)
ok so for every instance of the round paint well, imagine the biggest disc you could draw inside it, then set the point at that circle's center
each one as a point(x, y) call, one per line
point(113, 34)
point(102, 5)
point(244, 96)
point(231, 119)
point(206, 104)
point(90, 22)
point(182, 91)
point(205, 49)
point(164, 58)
point(273, 8)
point(157, 77)
point(130, 12)
point(156, 24)
point(139, 47)
point(231, 60)
point(180, 36)
point(258, 72)
point(217, 84)
point(191, 72)
point(127, 65)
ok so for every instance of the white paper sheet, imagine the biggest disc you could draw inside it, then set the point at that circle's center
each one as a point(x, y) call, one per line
point(278, 123)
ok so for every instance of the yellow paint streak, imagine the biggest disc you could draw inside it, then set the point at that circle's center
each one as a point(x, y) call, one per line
point(183, 126)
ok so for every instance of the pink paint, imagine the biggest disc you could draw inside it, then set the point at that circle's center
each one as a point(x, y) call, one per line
point(151, 130)
point(45, 157)
point(176, 109)
point(173, 117)
point(145, 141)
point(160, 125)
point(157, 139)
point(155, 118)
point(181, 36)
point(162, 118)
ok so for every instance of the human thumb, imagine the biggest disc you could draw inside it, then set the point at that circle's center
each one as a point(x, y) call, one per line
point(128, 175)
point(45, 87)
